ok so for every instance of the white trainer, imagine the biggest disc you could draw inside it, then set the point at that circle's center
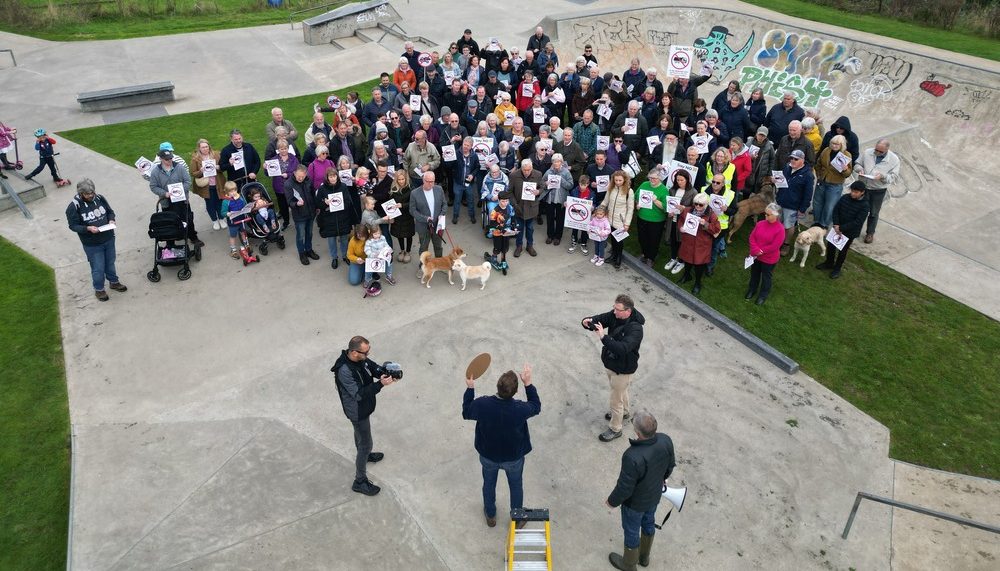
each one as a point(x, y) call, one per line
point(215, 225)
point(599, 262)
point(670, 264)
point(678, 268)
point(572, 248)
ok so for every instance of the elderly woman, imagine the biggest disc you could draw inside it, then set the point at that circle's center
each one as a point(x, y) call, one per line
point(830, 180)
point(653, 217)
point(280, 134)
point(506, 112)
point(620, 204)
point(765, 248)
point(288, 164)
point(506, 156)
point(449, 67)
point(720, 163)
point(756, 108)
point(717, 128)
point(696, 249)
point(208, 187)
point(317, 168)
point(494, 183)
point(547, 55)
point(554, 97)
point(403, 73)
point(558, 184)
point(380, 154)
point(403, 97)
point(430, 129)
point(582, 100)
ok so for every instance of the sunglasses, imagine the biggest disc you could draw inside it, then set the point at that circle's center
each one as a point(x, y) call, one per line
point(619, 140)
point(716, 182)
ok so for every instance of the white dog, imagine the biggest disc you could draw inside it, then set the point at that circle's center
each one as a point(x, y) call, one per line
point(805, 239)
point(467, 272)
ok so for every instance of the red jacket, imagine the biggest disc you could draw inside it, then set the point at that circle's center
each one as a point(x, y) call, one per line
point(742, 162)
point(524, 103)
point(697, 249)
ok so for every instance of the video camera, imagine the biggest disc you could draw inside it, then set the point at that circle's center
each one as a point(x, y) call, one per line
point(390, 368)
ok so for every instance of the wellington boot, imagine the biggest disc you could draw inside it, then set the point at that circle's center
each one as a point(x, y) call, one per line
point(645, 544)
point(625, 562)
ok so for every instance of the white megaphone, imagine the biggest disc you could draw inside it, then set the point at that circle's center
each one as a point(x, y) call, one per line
point(676, 497)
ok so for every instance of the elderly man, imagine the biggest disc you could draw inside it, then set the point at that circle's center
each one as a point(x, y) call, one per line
point(278, 120)
point(502, 438)
point(585, 133)
point(794, 140)
point(878, 168)
point(411, 55)
point(464, 174)
point(651, 81)
point(762, 155)
point(420, 156)
point(668, 150)
point(633, 78)
point(537, 41)
point(526, 181)
point(572, 153)
point(781, 115)
point(165, 174)
point(229, 161)
point(427, 206)
point(646, 465)
point(796, 197)
point(318, 125)
point(92, 218)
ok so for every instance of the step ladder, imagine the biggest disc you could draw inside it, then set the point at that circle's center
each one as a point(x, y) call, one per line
point(529, 548)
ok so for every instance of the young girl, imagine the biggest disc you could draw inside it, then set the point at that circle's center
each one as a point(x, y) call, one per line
point(501, 229)
point(235, 203)
point(368, 216)
point(583, 191)
point(599, 229)
point(356, 254)
point(373, 247)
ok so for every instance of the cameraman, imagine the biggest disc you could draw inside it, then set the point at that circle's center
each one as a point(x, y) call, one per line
point(353, 373)
point(620, 332)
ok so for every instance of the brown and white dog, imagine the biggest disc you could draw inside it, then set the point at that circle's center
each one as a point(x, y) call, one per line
point(431, 265)
point(805, 239)
point(467, 272)
point(752, 206)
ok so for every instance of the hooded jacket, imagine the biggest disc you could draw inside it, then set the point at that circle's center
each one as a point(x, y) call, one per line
point(850, 215)
point(356, 386)
point(853, 146)
point(620, 351)
point(97, 212)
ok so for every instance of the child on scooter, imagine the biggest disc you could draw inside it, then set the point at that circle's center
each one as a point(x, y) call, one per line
point(232, 204)
point(46, 154)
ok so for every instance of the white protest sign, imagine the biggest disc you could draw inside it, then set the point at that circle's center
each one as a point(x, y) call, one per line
point(680, 62)
point(508, 117)
point(603, 142)
point(553, 181)
point(604, 111)
point(676, 166)
point(674, 203)
point(448, 153)
point(837, 239)
point(145, 165)
point(577, 215)
point(620, 234)
point(336, 201)
point(106, 227)
point(424, 59)
point(492, 159)
point(691, 223)
point(700, 143)
point(684, 127)
point(516, 141)
point(527, 90)
point(528, 190)
point(651, 142)
point(237, 160)
point(840, 161)
point(273, 167)
point(631, 126)
point(209, 168)
point(706, 68)
point(778, 177)
point(717, 203)
point(346, 178)
point(449, 76)
point(415, 103)
point(754, 151)
point(391, 208)
point(748, 262)
point(176, 192)
point(385, 254)
point(616, 85)
point(603, 182)
point(374, 265)
point(646, 198)
point(538, 114)
point(333, 102)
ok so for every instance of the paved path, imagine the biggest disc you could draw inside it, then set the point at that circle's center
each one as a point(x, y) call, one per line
point(208, 437)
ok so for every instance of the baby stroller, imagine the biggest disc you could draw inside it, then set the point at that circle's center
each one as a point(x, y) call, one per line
point(167, 230)
point(255, 230)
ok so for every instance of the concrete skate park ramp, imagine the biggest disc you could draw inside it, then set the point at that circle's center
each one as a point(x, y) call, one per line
point(939, 115)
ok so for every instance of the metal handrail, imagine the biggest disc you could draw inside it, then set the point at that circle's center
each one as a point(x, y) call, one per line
point(324, 6)
point(913, 508)
point(11, 52)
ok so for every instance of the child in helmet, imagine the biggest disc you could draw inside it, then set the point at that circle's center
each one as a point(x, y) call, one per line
point(46, 157)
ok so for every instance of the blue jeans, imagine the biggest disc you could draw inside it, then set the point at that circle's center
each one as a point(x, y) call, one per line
point(599, 248)
point(633, 521)
point(102, 263)
point(471, 198)
point(304, 235)
point(513, 469)
point(333, 241)
point(824, 201)
point(526, 229)
point(355, 273)
point(718, 247)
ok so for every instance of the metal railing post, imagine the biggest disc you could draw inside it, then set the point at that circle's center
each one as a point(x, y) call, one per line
point(913, 508)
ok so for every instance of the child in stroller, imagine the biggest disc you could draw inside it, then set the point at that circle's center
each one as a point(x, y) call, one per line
point(262, 224)
point(238, 212)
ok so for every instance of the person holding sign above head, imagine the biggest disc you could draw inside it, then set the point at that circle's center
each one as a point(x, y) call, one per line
point(796, 194)
point(765, 248)
point(92, 218)
point(526, 185)
point(651, 197)
point(620, 204)
point(848, 217)
point(699, 227)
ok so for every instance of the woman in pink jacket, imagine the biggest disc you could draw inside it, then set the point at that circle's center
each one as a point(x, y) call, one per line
point(765, 247)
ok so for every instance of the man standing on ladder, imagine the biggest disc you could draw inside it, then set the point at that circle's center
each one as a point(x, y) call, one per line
point(646, 465)
point(502, 438)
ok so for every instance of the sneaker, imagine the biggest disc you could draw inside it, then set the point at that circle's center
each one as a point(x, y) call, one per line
point(366, 487)
point(374, 457)
point(583, 250)
point(572, 247)
point(678, 268)
point(222, 223)
point(234, 254)
point(599, 262)
point(670, 265)
point(390, 279)
point(119, 287)
point(609, 435)
point(215, 225)
point(101, 295)
point(594, 259)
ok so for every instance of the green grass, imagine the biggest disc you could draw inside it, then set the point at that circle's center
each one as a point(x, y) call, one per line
point(915, 360)
point(112, 26)
point(952, 40)
point(34, 430)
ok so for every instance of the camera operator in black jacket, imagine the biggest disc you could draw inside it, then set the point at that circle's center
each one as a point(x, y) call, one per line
point(353, 373)
point(620, 332)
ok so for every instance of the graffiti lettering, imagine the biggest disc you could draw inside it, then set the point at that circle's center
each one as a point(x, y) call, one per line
point(366, 17)
point(934, 87)
point(977, 96)
point(864, 91)
point(713, 48)
point(620, 33)
point(895, 70)
point(661, 39)
point(690, 17)
point(808, 91)
point(800, 54)
point(958, 114)
point(833, 102)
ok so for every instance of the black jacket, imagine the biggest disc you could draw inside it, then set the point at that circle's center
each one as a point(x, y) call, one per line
point(338, 223)
point(852, 138)
point(621, 343)
point(356, 386)
point(295, 190)
point(850, 215)
point(250, 158)
point(645, 465)
point(97, 212)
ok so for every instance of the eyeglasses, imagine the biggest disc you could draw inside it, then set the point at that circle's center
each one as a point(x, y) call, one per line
point(365, 353)
point(716, 182)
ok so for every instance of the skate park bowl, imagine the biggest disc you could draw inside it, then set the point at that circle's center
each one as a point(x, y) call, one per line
point(936, 111)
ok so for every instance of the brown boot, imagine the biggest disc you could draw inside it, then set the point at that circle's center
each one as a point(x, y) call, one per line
point(645, 544)
point(787, 245)
point(625, 562)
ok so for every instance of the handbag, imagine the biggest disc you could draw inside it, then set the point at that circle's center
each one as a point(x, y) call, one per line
point(632, 167)
point(201, 182)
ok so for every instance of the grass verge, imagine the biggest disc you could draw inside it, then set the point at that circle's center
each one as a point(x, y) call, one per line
point(34, 432)
point(956, 41)
point(917, 361)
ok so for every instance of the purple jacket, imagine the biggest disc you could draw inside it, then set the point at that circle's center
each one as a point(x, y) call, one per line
point(278, 182)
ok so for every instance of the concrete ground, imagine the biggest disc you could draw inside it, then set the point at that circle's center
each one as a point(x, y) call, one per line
point(207, 429)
